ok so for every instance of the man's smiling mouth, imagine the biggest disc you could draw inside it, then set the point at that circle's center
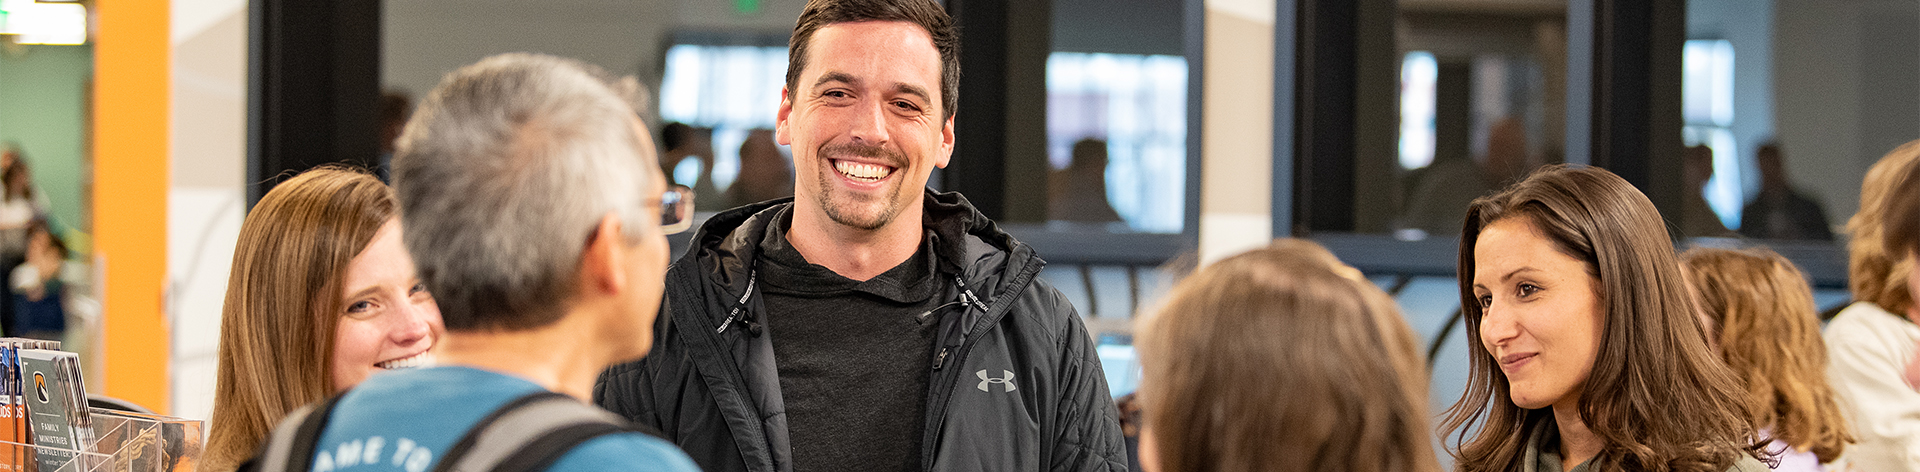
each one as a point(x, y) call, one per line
point(862, 172)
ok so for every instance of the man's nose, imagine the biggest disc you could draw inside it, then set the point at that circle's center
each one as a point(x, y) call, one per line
point(870, 124)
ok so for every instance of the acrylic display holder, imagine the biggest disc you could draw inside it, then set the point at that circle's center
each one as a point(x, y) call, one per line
point(123, 442)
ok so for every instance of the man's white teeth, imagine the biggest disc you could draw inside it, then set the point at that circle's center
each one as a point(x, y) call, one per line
point(859, 171)
point(418, 360)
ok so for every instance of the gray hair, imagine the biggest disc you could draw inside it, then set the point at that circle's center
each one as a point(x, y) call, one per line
point(503, 173)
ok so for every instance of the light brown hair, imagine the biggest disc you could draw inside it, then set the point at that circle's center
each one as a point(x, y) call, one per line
point(1283, 359)
point(1657, 398)
point(928, 15)
point(1876, 273)
point(1769, 333)
point(277, 328)
point(1902, 213)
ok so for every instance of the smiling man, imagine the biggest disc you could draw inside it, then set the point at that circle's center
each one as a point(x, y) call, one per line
point(869, 323)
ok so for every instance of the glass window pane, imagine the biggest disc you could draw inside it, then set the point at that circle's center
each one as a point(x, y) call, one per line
point(1116, 140)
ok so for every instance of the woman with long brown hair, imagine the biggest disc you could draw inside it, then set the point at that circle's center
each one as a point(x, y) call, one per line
point(1761, 312)
point(322, 295)
point(1282, 359)
point(1590, 356)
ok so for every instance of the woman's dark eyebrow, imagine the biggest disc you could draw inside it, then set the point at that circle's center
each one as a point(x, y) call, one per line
point(1510, 275)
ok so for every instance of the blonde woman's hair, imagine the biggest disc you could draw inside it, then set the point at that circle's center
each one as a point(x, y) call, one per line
point(1769, 334)
point(1876, 273)
point(277, 328)
point(1279, 359)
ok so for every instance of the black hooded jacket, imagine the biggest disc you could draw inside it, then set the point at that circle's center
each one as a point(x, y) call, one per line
point(1015, 386)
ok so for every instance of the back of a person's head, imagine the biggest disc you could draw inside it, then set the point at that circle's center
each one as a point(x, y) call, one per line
point(674, 136)
point(1089, 154)
point(504, 171)
point(277, 325)
point(1282, 358)
point(1876, 273)
point(1656, 393)
point(1769, 333)
point(17, 180)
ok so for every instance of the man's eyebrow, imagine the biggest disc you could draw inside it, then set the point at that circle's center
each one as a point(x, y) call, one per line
point(905, 88)
point(834, 76)
point(915, 90)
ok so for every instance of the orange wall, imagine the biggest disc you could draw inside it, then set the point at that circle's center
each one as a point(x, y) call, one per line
point(130, 178)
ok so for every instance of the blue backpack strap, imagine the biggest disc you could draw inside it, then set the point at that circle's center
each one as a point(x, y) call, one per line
point(291, 446)
point(530, 433)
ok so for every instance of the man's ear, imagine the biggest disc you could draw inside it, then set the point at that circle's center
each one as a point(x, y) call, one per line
point(601, 260)
point(780, 134)
point(946, 144)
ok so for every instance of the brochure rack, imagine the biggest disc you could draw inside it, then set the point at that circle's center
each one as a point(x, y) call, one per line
point(123, 442)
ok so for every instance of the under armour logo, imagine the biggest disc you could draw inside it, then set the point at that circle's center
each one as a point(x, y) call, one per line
point(985, 380)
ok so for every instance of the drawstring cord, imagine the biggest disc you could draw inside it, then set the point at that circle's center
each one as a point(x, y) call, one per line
point(753, 277)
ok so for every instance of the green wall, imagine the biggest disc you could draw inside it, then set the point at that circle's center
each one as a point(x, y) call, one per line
point(43, 92)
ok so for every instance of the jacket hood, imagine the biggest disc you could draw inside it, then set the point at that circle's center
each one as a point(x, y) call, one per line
point(966, 242)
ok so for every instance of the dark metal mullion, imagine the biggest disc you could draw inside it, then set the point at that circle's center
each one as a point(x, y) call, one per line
point(1319, 47)
point(978, 167)
point(313, 84)
point(1327, 109)
point(1195, 46)
point(1623, 110)
point(1286, 99)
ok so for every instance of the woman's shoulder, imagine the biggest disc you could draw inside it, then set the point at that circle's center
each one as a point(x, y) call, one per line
point(1748, 464)
point(1867, 320)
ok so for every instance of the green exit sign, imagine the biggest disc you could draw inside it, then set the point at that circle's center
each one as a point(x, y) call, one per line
point(746, 7)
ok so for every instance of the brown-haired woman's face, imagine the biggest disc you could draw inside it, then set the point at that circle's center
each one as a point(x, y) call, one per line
point(1541, 313)
point(388, 320)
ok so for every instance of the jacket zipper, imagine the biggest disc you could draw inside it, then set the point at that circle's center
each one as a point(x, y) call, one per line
point(946, 381)
point(967, 300)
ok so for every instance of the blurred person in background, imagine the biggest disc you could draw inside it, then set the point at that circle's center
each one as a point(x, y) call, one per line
point(20, 205)
point(1447, 186)
point(1760, 311)
point(681, 142)
point(765, 173)
point(1697, 219)
point(39, 295)
point(1591, 356)
point(1079, 192)
point(395, 107)
point(1781, 211)
point(1871, 344)
point(321, 296)
point(1282, 359)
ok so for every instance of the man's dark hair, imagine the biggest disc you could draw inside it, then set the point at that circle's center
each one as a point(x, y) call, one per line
point(821, 13)
point(1902, 214)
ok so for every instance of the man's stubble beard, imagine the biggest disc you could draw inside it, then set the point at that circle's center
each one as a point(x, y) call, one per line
point(847, 217)
point(835, 208)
